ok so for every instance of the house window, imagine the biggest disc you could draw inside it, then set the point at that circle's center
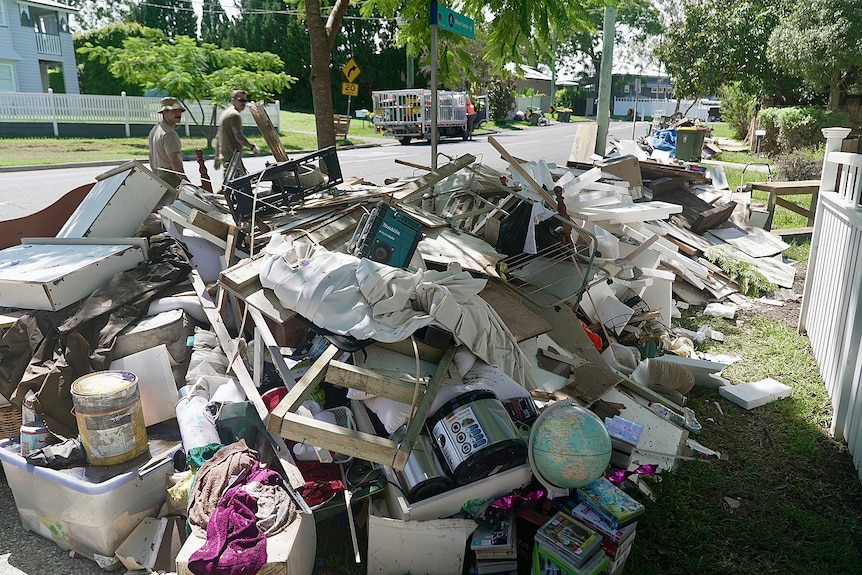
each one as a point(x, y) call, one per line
point(3, 14)
point(7, 78)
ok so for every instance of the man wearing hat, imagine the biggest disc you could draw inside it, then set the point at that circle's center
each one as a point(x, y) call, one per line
point(165, 147)
point(230, 137)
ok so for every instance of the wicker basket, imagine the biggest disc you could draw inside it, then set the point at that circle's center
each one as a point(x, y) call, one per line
point(10, 421)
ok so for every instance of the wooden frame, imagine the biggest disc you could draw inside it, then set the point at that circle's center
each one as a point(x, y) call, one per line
point(286, 422)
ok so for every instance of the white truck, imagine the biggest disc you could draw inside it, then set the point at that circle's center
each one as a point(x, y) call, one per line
point(406, 114)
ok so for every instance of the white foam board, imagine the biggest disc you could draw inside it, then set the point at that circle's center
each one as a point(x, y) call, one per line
point(156, 382)
point(755, 393)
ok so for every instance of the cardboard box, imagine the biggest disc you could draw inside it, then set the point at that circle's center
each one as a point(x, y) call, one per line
point(90, 510)
point(434, 547)
point(290, 552)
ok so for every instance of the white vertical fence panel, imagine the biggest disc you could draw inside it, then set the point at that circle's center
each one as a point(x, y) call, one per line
point(26, 107)
point(648, 107)
point(832, 301)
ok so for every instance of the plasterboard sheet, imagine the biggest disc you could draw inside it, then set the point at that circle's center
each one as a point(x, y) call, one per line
point(661, 440)
point(753, 241)
point(755, 393)
point(640, 212)
point(444, 246)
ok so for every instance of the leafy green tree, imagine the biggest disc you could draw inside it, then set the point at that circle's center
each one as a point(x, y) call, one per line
point(737, 108)
point(637, 21)
point(193, 72)
point(214, 22)
point(501, 95)
point(724, 41)
point(820, 41)
point(516, 29)
point(93, 74)
point(173, 17)
point(521, 31)
point(268, 25)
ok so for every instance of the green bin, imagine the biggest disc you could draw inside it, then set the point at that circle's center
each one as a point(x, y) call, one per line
point(689, 144)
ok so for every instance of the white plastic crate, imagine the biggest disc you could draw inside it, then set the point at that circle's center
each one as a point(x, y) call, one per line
point(90, 510)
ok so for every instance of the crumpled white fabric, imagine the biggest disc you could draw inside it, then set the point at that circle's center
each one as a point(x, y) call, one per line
point(369, 300)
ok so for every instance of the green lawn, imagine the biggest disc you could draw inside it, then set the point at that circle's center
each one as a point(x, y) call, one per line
point(297, 133)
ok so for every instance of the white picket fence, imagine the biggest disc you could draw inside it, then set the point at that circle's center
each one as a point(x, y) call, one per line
point(27, 107)
point(647, 108)
point(831, 311)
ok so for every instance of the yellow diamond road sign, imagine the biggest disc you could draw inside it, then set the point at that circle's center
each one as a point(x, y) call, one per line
point(351, 70)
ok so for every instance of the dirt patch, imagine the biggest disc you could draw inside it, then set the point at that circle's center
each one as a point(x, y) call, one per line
point(789, 312)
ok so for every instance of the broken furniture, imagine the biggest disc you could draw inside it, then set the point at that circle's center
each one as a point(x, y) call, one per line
point(291, 182)
point(777, 191)
point(52, 273)
point(44, 223)
point(341, 123)
point(268, 131)
point(117, 204)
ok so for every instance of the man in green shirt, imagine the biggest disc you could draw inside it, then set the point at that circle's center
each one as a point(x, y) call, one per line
point(230, 137)
point(165, 147)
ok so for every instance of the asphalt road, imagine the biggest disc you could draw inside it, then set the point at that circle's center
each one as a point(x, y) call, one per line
point(25, 191)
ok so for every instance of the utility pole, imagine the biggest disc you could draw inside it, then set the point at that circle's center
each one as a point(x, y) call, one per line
point(603, 116)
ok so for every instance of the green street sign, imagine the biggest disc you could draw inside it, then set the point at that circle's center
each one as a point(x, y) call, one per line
point(452, 21)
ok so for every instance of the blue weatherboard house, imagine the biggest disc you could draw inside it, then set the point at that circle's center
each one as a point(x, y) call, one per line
point(36, 50)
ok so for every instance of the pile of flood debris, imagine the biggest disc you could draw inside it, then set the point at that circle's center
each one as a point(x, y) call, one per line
point(246, 363)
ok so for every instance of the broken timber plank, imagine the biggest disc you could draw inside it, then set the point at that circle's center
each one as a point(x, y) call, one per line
point(243, 281)
point(267, 130)
point(415, 189)
point(522, 172)
point(246, 383)
point(584, 143)
point(361, 379)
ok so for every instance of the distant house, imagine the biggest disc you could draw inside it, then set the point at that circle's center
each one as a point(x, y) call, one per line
point(531, 77)
point(36, 50)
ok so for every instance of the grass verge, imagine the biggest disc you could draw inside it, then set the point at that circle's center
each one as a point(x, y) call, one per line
point(786, 501)
point(298, 132)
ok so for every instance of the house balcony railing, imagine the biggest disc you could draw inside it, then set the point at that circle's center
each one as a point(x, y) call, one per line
point(48, 44)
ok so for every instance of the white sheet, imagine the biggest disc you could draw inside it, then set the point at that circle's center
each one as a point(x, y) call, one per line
point(368, 300)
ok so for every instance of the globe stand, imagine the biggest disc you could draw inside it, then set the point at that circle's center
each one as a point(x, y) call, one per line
point(555, 491)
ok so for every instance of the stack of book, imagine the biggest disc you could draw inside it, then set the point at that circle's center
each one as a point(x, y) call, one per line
point(613, 513)
point(614, 505)
point(565, 545)
point(625, 435)
point(494, 547)
point(616, 543)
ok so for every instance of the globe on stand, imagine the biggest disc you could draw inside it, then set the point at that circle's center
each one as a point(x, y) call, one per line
point(569, 447)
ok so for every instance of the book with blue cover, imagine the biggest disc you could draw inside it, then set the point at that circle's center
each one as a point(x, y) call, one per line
point(615, 506)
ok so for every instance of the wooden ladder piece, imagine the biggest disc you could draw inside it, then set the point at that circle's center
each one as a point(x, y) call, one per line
point(284, 420)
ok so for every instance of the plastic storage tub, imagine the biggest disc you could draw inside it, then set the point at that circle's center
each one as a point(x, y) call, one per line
point(90, 510)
